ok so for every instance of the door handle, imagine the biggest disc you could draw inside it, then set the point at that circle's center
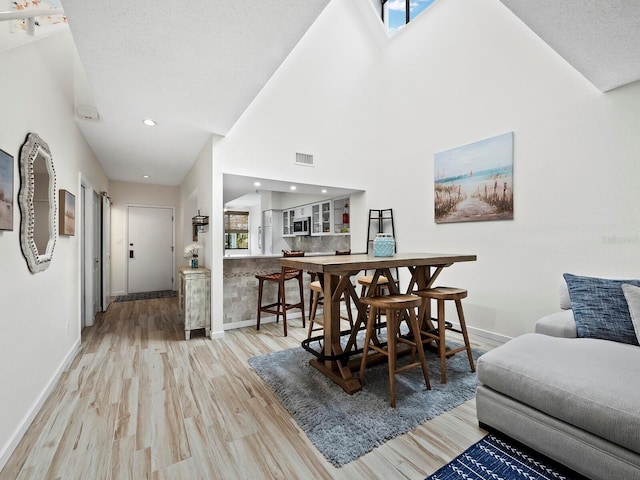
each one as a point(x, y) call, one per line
point(130, 253)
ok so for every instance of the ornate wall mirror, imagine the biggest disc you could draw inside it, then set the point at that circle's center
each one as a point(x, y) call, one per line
point(38, 226)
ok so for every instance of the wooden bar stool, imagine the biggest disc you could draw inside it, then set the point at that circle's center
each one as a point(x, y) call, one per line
point(317, 299)
point(442, 294)
point(365, 283)
point(281, 306)
point(394, 306)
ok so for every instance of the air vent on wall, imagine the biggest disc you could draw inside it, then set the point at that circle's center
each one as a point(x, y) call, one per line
point(304, 159)
point(86, 112)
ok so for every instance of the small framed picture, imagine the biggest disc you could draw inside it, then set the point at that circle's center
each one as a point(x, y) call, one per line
point(6, 191)
point(67, 214)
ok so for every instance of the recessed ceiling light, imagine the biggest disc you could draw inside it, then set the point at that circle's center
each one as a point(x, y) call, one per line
point(292, 187)
point(149, 123)
point(256, 184)
point(324, 190)
point(146, 176)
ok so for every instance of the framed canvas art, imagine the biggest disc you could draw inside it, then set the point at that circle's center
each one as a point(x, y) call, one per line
point(474, 182)
point(6, 191)
point(67, 214)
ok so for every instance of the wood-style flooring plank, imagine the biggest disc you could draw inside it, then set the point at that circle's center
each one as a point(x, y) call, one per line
point(140, 402)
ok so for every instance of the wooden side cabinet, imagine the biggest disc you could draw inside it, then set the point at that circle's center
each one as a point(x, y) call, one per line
point(194, 299)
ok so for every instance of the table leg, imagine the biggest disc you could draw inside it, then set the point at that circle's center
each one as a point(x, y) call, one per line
point(340, 374)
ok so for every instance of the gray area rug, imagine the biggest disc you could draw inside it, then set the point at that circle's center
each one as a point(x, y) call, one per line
point(344, 427)
point(146, 295)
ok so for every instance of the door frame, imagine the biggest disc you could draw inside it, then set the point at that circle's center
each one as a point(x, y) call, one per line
point(86, 285)
point(173, 241)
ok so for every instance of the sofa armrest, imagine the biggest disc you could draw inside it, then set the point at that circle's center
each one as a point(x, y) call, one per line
point(559, 324)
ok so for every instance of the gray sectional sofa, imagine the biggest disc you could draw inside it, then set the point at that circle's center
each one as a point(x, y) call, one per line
point(573, 398)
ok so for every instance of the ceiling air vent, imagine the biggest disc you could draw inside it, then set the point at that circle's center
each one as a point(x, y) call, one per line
point(304, 159)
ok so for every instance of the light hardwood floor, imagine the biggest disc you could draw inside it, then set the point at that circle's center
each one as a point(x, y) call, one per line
point(140, 402)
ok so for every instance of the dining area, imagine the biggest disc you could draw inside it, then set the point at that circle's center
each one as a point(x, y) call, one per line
point(344, 354)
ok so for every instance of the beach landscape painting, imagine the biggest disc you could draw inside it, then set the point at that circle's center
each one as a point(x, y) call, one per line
point(474, 182)
point(6, 191)
point(67, 215)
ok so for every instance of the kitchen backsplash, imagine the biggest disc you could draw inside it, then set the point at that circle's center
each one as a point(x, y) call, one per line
point(328, 243)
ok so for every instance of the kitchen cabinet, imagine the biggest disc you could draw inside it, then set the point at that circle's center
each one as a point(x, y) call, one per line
point(287, 222)
point(194, 299)
point(303, 211)
point(321, 218)
point(341, 216)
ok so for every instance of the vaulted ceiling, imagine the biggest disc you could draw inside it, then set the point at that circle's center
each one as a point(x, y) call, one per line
point(600, 39)
point(195, 67)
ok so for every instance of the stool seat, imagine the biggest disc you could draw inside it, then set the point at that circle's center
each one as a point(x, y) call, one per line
point(395, 307)
point(366, 280)
point(276, 276)
point(442, 294)
point(397, 302)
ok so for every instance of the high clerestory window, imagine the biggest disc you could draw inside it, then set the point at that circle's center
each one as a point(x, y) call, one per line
point(236, 230)
point(398, 13)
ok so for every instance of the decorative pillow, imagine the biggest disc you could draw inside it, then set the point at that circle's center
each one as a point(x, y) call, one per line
point(600, 308)
point(632, 294)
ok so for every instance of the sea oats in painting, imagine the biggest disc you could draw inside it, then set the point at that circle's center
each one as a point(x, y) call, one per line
point(474, 182)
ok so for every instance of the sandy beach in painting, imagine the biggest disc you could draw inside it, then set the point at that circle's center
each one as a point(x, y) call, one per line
point(468, 200)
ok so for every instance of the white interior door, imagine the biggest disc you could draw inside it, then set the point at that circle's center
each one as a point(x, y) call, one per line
point(150, 252)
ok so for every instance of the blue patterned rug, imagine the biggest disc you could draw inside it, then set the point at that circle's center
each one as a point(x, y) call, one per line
point(495, 458)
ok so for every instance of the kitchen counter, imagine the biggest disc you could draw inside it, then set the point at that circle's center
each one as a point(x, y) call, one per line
point(240, 288)
point(271, 255)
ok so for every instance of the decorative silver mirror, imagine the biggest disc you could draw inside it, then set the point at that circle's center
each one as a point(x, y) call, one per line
point(38, 226)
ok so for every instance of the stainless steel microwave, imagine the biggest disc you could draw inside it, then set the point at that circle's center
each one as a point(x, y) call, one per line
point(302, 226)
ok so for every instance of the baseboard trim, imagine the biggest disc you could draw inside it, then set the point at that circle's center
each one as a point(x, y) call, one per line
point(484, 333)
point(11, 445)
point(252, 322)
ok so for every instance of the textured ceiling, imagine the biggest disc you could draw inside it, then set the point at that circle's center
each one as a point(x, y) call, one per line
point(194, 67)
point(599, 39)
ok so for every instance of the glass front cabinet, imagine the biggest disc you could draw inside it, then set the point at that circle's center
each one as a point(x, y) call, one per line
point(321, 218)
point(287, 222)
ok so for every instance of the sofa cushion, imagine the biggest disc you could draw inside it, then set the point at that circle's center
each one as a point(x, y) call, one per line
point(557, 324)
point(632, 294)
point(600, 308)
point(590, 383)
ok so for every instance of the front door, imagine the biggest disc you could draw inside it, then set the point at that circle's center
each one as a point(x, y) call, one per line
point(150, 252)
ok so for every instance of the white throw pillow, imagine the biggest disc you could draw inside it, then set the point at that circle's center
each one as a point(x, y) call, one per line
point(632, 294)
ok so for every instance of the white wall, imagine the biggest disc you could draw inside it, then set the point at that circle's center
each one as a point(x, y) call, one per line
point(196, 191)
point(480, 72)
point(36, 81)
point(124, 194)
point(195, 194)
point(374, 112)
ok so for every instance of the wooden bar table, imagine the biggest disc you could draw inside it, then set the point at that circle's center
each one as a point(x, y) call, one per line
point(335, 272)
